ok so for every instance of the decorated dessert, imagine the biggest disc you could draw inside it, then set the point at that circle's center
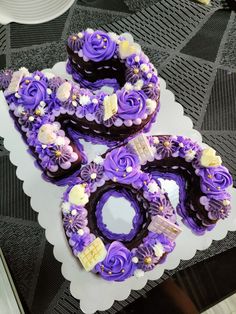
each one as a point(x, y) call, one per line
point(117, 70)
point(132, 171)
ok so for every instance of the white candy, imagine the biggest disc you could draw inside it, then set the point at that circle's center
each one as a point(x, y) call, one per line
point(135, 260)
point(31, 119)
point(129, 169)
point(37, 77)
point(144, 67)
point(80, 232)
point(73, 212)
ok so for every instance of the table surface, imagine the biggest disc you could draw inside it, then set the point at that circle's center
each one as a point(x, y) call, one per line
point(193, 46)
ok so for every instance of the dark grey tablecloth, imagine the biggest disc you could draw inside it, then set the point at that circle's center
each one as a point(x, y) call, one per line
point(192, 45)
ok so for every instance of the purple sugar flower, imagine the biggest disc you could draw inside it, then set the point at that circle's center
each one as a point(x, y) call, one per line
point(73, 223)
point(154, 238)
point(168, 146)
point(92, 172)
point(146, 257)
point(30, 120)
point(79, 242)
point(217, 208)
point(161, 206)
point(5, 78)
point(54, 83)
point(56, 156)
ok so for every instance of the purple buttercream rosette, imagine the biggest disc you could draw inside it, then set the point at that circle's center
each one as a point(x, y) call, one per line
point(131, 104)
point(98, 46)
point(117, 265)
point(122, 165)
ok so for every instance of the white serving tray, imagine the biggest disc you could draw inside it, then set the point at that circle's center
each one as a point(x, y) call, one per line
point(95, 293)
point(32, 12)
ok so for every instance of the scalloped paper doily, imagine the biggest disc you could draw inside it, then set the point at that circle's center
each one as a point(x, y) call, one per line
point(95, 293)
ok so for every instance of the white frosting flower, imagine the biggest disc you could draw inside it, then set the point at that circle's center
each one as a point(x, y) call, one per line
point(78, 196)
point(128, 86)
point(209, 158)
point(144, 67)
point(153, 187)
point(65, 206)
point(127, 47)
point(63, 91)
point(190, 155)
point(84, 100)
point(151, 105)
point(158, 250)
point(138, 273)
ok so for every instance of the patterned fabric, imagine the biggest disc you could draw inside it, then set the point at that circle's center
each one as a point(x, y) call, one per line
point(192, 45)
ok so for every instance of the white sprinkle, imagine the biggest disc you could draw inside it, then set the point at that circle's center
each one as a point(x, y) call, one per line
point(181, 145)
point(44, 146)
point(17, 95)
point(129, 169)
point(42, 103)
point(80, 232)
point(144, 67)
point(135, 260)
point(80, 35)
point(37, 77)
point(149, 75)
point(93, 176)
point(73, 212)
point(31, 119)
point(136, 59)
point(74, 103)
point(156, 140)
point(49, 91)
point(138, 273)
point(95, 101)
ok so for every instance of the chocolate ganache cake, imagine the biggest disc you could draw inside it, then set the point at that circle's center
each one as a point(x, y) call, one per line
point(106, 63)
point(132, 171)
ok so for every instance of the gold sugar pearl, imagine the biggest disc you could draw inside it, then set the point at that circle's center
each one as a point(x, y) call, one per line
point(218, 188)
point(117, 169)
point(27, 81)
point(109, 273)
point(166, 143)
point(136, 71)
point(124, 175)
point(210, 176)
point(104, 39)
point(104, 47)
point(161, 208)
point(150, 85)
point(73, 97)
point(114, 179)
point(70, 221)
point(57, 153)
point(148, 260)
point(37, 112)
point(98, 36)
point(74, 37)
point(122, 271)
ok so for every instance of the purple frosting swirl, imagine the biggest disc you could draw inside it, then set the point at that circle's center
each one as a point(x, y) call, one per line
point(33, 91)
point(214, 180)
point(117, 266)
point(122, 165)
point(98, 46)
point(80, 242)
point(131, 104)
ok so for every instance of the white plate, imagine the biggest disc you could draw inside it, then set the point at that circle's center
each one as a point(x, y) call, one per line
point(32, 11)
point(95, 293)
